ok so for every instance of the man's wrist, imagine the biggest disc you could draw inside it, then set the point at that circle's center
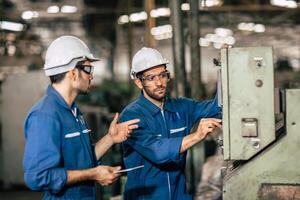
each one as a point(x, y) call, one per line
point(197, 137)
point(92, 173)
point(109, 139)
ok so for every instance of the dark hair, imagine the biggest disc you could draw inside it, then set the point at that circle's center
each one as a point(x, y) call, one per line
point(57, 78)
point(139, 75)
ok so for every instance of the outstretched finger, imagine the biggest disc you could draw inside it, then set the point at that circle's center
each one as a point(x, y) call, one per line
point(133, 121)
point(135, 126)
point(115, 119)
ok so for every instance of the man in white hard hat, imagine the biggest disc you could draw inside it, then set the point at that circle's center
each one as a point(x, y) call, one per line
point(163, 137)
point(59, 158)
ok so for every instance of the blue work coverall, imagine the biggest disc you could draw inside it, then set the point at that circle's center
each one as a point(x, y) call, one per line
point(156, 145)
point(57, 140)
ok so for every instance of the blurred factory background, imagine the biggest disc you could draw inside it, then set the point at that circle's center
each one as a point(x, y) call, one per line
point(189, 36)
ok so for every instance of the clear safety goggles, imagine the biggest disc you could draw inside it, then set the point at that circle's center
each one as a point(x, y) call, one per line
point(89, 69)
point(163, 76)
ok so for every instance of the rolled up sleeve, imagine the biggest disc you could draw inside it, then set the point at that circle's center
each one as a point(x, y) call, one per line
point(204, 109)
point(42, 161)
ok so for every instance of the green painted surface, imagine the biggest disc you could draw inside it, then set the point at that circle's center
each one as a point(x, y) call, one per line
point(277, 164)
point(243, 99)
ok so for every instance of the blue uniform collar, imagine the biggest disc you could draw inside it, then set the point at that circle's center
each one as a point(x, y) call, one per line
point(169, 106)
point(52, 92)
point(152, 108)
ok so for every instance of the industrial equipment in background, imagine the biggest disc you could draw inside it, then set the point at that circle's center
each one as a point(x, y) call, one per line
point(19, 92)
point(260, 128)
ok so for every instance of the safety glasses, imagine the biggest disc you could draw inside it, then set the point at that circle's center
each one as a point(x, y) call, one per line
point(89, 69)
point(163, 76)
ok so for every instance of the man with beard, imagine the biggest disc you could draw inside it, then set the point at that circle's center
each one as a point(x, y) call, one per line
point(163, 137)
point(59, 158)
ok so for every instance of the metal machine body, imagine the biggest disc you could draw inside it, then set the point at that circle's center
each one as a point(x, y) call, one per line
point(260, 129)
point(19, 93)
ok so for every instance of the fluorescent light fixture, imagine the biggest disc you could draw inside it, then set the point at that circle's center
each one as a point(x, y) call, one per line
point(185, 6)
point(259, 28)
point(219, 39)
point(223, 32)
point(211, 3)
point(162, 32)
point(161, 29)
point(160, 12)
point(204, 3)
point(136, 17)
point(163, 12)
point(241, 26)
point(53, 9)
point(213, 37)
point(68, 9)
point(29, 14)
point(11, 26)
point(246, 26)
point(163, 36)
point(284, 3)
point(154, 13)
point(123, 19)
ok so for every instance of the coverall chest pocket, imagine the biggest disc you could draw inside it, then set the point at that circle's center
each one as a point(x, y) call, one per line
point(178, 126)
point(72, 149)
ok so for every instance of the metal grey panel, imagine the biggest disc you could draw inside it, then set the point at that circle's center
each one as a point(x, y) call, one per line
point(19, 93)
point(277, 164)
point(225, 103)
point(249, 108)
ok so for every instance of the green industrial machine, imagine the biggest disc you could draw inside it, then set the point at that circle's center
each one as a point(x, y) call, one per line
point(261, 128)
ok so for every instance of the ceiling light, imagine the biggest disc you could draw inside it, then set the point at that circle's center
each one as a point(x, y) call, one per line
point(53, 9)
point(185, 6)
point(29, 14)
point(246, 26)
point(284, 3)
point(140, 16)
point(163, 36)
point(68, 9)
point(164, 12)
point(211, 3)
point(259, 28)
point(161, 29)
point(162, 32)
point(11, 26)
point(123, 19)
point(223, 32)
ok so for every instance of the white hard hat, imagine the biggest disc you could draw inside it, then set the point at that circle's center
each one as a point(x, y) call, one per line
point(64, 53)
point(144, 59)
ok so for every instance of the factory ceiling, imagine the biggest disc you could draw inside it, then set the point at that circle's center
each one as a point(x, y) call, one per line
point(43, 20)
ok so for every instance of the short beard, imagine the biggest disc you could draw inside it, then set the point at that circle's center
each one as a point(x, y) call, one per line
point(153, 96)
point(81, 92)
point(84, 92)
